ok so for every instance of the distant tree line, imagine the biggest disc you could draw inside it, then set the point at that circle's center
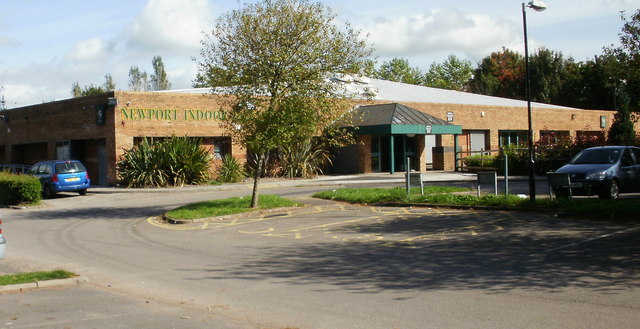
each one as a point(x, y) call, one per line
point(138, 81)
point(607, 81)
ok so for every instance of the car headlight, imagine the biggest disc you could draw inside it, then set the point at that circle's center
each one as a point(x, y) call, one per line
point(597, 175)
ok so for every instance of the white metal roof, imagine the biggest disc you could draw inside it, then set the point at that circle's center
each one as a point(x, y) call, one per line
point(402, 92)
point(383, 90)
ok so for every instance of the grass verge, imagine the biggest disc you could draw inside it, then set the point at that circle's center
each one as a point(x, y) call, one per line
point(229, 206)
point(584, 208)
point(34, 277)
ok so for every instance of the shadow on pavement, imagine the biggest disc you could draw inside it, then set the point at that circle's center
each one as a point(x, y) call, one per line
point(508, 255)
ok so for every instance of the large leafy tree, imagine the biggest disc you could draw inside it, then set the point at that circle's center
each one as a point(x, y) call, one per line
point(138, 80)
point(159, 80)
point(274, 58)
point(629, 55)
point(625, 81)
point(454, 73)
point(500, 74)
point(600, 84)
point(399, 70)
point(547, 70)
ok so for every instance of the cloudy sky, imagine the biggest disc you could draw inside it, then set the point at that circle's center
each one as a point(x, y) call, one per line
point(45, 46)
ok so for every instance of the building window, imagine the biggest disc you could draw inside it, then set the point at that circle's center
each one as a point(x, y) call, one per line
point(218, 151)
point(553, 137)
point(219, 146)
point(513, 137)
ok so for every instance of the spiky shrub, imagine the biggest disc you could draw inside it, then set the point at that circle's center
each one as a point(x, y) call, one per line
point(304, 160)
point(230, 170)
point(185, 161)
point(174, 161)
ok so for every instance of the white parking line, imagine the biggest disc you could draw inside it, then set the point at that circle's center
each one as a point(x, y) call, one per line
point(592, 239)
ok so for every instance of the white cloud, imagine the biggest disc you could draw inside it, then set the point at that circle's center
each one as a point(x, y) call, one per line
point(170, 26)
point(47, 81)
point(8, 42)
point(88, 50)
point(475, 35)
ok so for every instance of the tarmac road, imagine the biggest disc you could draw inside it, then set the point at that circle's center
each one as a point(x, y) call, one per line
point(327, 265)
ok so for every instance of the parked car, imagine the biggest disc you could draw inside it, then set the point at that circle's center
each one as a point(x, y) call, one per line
point(605, 171)
point(61, 176)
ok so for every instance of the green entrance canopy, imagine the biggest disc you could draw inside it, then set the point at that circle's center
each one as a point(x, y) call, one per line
point(394, 118)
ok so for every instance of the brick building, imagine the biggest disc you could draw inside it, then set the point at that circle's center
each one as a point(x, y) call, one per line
point(97, 129)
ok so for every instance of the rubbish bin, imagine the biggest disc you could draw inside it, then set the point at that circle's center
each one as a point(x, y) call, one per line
point(3, 242)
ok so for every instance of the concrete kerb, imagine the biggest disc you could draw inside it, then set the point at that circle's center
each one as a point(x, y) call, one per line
point(47, 284)
point(260, 212)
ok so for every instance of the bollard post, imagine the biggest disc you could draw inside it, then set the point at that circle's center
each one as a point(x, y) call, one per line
point(408, 177)
point(3, 242)
point(506, 174)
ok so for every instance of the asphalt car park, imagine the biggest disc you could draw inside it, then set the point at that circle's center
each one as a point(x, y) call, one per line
point(433, 247)
point(333, 265)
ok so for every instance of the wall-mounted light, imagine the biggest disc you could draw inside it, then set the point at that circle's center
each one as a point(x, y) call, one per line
point(449, 116)
point(128, 103)
point(112, 101)
point(482, 114)
point(573, 116)
point(411, 135)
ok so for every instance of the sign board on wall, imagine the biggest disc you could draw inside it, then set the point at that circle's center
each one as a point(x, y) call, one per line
point(171, 114)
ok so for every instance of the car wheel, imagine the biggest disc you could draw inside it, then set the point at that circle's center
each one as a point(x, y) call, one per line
point(46, 192)
point(610, 191)
point(83, 192)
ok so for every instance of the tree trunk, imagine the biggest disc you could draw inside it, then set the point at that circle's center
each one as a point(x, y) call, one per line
point(254, 195)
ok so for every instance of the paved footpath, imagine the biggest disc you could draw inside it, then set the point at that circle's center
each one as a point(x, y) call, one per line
point(86, 306)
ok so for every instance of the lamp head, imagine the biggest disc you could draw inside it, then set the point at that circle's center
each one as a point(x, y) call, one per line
point(537, 5)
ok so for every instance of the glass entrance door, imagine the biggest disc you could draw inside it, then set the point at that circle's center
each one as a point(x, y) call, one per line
point(403, 147)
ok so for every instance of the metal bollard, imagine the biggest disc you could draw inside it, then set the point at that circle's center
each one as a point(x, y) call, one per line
point(3, 242)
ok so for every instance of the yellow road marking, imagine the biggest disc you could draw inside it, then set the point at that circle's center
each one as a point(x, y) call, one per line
point(443, 233)
point(271, 229)
point(379, 215)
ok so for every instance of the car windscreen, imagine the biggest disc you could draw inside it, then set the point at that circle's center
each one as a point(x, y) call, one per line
point(69, 167)
point(597, 156)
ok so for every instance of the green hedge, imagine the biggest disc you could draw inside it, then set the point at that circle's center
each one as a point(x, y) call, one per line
point(481, 160)
point(19, 189)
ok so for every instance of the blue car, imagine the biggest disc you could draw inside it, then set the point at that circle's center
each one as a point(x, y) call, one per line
point(61, 176)
point(605, 171)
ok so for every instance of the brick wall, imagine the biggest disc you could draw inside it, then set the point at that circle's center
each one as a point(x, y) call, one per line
point(146, 114)
point(364, 154)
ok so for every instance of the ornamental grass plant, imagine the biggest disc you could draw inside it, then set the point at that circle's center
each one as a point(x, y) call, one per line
point(174, 161)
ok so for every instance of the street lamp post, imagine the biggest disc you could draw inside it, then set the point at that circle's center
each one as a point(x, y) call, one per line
point(537, 6)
